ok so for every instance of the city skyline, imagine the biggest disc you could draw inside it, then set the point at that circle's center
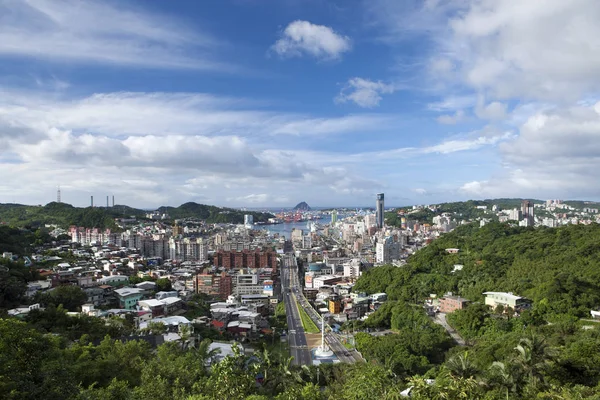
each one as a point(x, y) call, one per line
point(264, 104)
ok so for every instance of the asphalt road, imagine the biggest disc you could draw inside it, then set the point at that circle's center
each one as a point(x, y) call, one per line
point(332, 340)
point(296, 338)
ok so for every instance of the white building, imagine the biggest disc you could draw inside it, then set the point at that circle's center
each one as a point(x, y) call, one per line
point(387, 250)
point(248, 221)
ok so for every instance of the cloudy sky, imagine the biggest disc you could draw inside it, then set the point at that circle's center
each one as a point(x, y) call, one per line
point(270, 102)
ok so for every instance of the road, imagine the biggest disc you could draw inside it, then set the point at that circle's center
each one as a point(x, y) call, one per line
point(296, 338)
point(331, 339)
point(440, 319)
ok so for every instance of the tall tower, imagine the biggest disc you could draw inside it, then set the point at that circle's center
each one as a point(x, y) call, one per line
point(58, 194)
point(92, 201)
point(527, 212)
point(379, 210)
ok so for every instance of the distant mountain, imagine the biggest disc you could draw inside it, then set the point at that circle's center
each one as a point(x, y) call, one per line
point(212, 214)
point(302, 206)
point(64, 214)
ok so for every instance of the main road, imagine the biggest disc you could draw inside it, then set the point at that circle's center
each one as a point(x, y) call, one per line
point(342, 353)
point(296, 337)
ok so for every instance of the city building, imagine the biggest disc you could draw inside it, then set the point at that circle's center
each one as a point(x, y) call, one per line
point(379, 210)
point(248, 221)
point(494, 299)
point(527, 212)
point(450, 303)
point(387, 250)
point(129, 297)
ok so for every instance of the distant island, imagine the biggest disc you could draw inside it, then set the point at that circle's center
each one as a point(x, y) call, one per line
point(302, 206)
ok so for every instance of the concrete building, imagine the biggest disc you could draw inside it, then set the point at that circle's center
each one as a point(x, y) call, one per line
point(379, 210)
point(494, 299)
point(450, 304)
point(387, 250)
point(527, 212)
point(129, 297)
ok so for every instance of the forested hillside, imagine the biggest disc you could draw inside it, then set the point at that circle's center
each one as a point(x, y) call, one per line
point(548, 352)
point(557, 266)
point(65, 215)
point(212, 214)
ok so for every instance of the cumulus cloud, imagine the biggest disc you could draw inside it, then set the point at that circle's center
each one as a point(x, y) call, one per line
point(304, 38)
point(451, 119)
point(364, 92)
point(185, 143)
point(99, 32)
point(538, 49)
point(555, 154)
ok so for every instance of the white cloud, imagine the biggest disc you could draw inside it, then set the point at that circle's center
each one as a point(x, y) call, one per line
point(101, 32)
point(190, 146)
point(539, 49)
point(304, 38)
point(452, 119)
point(160, 114)
point(364, 92)
point(452, 146)
point(494, 111)
point(555, 155)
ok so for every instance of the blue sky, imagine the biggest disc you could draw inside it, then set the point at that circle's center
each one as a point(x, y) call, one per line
point(271, 102)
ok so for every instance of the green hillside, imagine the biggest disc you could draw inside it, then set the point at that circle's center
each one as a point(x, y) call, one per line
point(212, 214)
point(558, 265)
point(64, 215)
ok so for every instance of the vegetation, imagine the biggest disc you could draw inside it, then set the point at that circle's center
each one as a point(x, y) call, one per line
point(557, 268)
point(64, 215)
point(416, 345)
point(461, 211)
point(212, 214)
point(307, 323)
point(544, 352)
point(548, 352)
point(61, 214)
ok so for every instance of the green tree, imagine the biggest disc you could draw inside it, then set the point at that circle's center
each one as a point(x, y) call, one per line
point(70, 297)
point(163, 284)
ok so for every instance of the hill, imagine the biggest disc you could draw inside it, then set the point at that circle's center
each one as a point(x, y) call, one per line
point(64, 215)
point(212, 214)
point(462, 210)
point(302, 206)
point(556, 266)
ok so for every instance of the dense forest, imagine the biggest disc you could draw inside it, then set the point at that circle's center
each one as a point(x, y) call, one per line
point(553, 345)
point(64, 215)
point(557, 267)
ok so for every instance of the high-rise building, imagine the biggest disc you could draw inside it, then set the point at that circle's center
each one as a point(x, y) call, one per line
point(248, 220)
point(527, 212)
point(379, 210)
point(333, 217)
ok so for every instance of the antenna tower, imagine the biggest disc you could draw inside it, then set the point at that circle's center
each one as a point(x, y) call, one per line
point(58, 194)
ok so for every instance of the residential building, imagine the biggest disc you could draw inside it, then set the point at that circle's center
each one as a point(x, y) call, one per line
point(494, 299)
point(129, 297)
point(527, 212)
point(451, 303)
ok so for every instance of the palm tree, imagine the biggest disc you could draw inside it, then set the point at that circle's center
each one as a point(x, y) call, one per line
point(501, 376)
point(462, 366)
point(534, 357)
